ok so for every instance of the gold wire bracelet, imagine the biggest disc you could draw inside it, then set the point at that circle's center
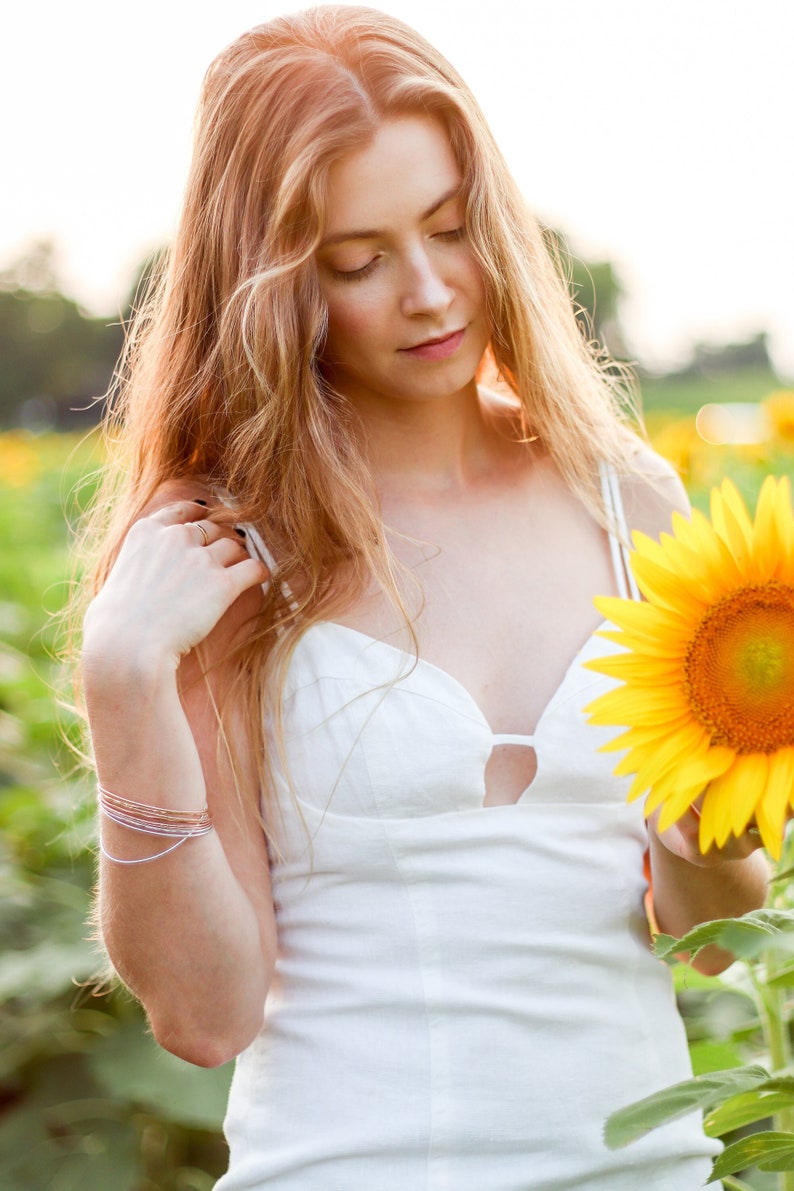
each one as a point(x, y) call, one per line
point(151, 820)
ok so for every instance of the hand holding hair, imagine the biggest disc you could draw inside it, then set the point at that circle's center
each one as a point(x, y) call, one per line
point(176, 574)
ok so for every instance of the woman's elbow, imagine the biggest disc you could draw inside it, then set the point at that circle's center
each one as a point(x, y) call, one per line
point(205, 1047)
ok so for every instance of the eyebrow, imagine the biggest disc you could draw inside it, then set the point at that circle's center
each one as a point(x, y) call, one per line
point(375, 234)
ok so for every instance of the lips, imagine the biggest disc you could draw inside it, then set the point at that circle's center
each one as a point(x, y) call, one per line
point(437, 348)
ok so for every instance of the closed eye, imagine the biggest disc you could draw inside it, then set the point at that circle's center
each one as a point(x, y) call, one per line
point(355, 274)
point(455, 233)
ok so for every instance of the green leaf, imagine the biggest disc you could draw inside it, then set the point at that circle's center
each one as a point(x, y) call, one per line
point(781, 977)
point(745, 937)
point(704, 1092)
point(767, 1151)
point(708, 1056)
point(47, 969)
point(98, 1153)
point(130, 1065)
point(748, 1107)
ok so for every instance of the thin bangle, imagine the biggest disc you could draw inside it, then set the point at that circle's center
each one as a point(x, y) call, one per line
point(151, 820)
point(143, 859)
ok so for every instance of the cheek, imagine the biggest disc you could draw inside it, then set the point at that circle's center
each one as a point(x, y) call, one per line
point(350, 327)
point(475, 282)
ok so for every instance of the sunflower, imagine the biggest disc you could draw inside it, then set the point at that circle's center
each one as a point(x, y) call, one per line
point(707, 671)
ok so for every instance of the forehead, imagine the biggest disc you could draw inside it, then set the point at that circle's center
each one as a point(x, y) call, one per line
point(400, 173)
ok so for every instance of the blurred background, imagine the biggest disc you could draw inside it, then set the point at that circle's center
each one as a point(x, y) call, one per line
point(656, 141)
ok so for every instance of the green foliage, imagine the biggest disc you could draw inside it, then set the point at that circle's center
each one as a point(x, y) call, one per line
point(745, 937)
point(57, 360)
point(768, 1151)
point(673, 396)
point(88, 1099)
point(704, 1092)
point(758, 1083)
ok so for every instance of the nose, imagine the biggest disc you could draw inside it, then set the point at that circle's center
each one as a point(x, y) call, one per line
point(425, 290)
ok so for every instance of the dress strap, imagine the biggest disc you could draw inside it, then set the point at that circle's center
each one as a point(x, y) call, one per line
point(618, 533)
point(257, 549)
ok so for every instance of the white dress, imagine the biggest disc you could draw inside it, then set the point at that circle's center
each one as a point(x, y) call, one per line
point(463, 993)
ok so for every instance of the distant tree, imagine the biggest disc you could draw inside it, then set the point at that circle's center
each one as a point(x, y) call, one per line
point(597, 291)
point(710, 359)
point(56, 361)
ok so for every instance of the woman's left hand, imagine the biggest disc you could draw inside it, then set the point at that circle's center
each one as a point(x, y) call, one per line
point(682, 840)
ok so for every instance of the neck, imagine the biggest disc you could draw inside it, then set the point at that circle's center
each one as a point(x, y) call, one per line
point(433, 448)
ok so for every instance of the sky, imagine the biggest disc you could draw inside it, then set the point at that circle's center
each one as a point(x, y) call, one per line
point(657, 135)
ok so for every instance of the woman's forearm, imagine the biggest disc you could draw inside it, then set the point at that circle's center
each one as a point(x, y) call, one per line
point(188, 932)
point(686, 894)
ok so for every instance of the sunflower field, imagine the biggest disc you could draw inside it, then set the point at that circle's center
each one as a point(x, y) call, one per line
point(87, 1100)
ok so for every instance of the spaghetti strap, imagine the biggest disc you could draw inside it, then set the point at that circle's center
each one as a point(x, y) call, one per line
point(258, 549)
point(256, 546)
point(618, 533)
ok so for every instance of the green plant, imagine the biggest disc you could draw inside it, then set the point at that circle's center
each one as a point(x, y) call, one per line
point(759, 1085)
point(87, 1099)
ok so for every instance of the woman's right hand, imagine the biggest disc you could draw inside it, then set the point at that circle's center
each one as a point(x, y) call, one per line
point(175, 576)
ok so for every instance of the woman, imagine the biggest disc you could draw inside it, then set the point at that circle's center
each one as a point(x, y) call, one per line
point(343, 597)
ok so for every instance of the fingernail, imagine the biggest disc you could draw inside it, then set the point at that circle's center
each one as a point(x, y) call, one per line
point(201, 502)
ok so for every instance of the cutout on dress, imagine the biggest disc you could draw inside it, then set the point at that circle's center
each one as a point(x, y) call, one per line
point(509, 773)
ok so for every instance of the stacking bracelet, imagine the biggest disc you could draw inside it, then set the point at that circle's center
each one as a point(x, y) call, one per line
point(151, 820)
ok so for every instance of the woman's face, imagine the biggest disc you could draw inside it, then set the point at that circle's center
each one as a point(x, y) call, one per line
point(406, 302)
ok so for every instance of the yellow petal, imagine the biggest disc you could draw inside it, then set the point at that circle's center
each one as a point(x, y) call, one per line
point(752, 778)
point(637, 788)
point(665, 589)
point(676, 805)
point(784, 516)
point(733, 524)
point(660, 647)
point(644, 707)
point(770, 811)
point(640, 736)
point(767, 539)
point(731, 798)
point(631, 667)
point(642, 618)
point(715, 819)
point(657, 755)
point(696, 770)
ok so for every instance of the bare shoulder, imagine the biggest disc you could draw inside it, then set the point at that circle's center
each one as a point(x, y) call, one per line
point(178, 489)
point(652, 493)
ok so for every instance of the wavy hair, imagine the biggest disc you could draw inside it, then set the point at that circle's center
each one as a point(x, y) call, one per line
point(221, 376)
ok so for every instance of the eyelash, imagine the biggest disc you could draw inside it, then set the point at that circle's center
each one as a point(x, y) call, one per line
point(359, 274)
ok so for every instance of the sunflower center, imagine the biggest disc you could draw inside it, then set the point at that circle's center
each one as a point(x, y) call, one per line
point(739, 669)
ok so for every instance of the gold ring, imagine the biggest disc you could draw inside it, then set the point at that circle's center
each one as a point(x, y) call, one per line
point(204, 535)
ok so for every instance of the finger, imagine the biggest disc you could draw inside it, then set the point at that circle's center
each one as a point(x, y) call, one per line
point(248, 573)
point(228, 551)
point(200, 531)
point(180, 512)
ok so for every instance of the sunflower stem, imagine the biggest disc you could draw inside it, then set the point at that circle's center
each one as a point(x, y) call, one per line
point(731, 1183)
point(772, 1004)
point(773, 1016)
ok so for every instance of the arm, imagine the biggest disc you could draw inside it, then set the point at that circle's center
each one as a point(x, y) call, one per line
point(689, 888)
point(191, 933)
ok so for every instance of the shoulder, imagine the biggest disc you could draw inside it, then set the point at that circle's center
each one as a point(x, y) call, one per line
point(178, 489)
point(652, 491)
